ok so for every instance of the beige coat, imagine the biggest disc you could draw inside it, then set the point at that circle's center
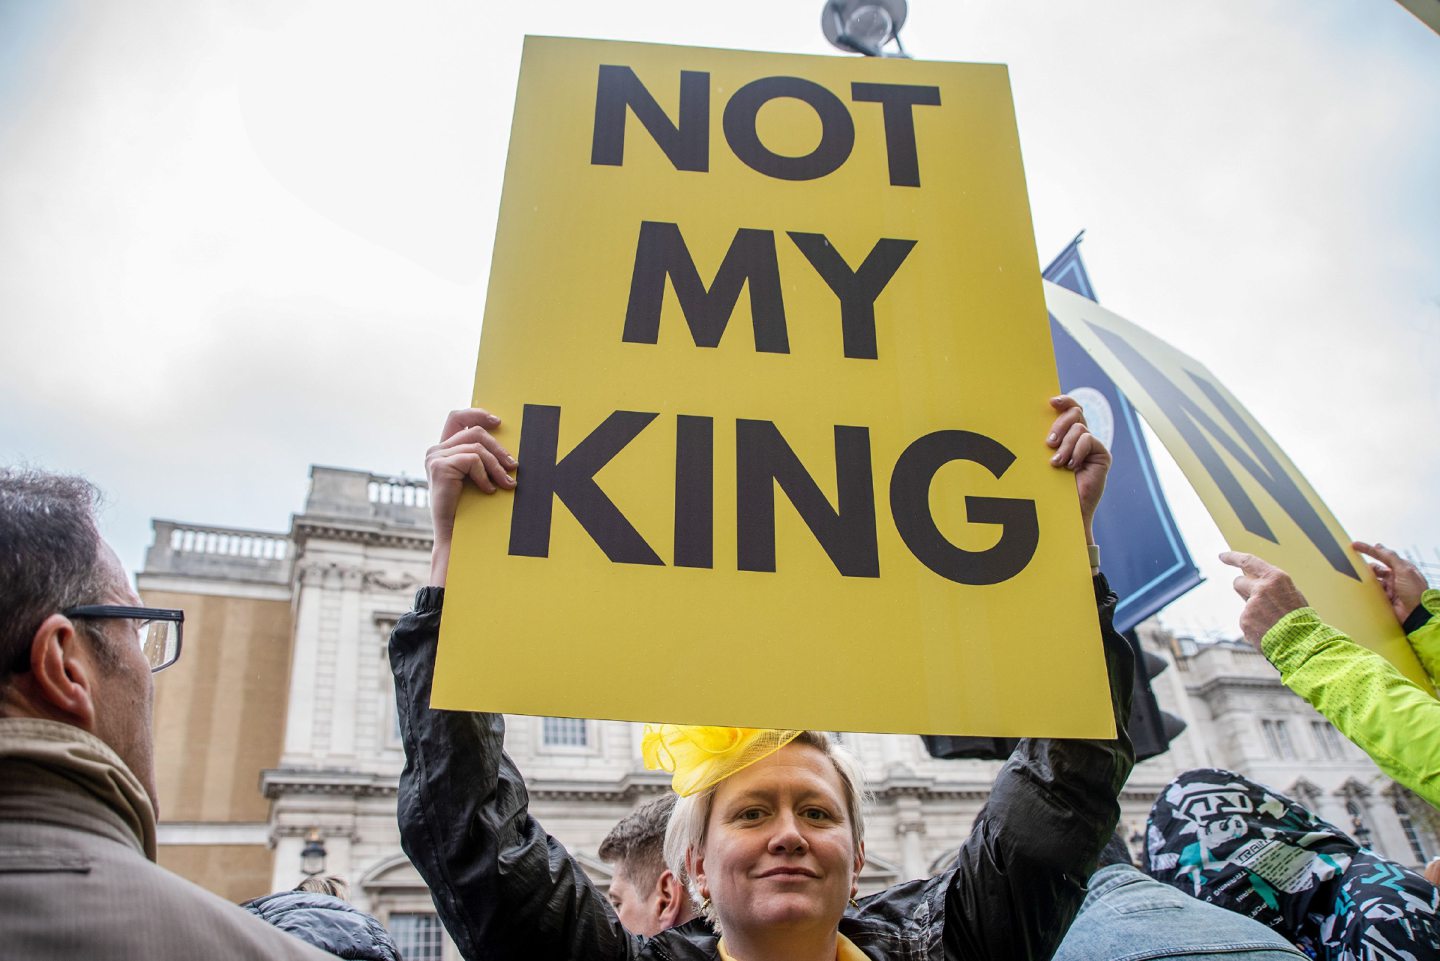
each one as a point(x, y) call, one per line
point(78, 878)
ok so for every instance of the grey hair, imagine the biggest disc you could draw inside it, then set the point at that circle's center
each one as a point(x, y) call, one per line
point(49, 555)
point(690, 820)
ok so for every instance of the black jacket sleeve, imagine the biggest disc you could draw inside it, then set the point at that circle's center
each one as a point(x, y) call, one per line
point(1418, 618)
point(505, 890)
point(1020, 877)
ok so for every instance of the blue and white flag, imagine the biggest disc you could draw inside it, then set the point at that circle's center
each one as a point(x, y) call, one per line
point(1144, 557)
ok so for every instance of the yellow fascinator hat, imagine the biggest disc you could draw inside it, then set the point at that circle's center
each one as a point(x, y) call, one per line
point(701, 757)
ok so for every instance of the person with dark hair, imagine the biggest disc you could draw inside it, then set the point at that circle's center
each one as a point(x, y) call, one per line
point(1128, 915)
point(647, 896)
point(1221, 837)
point(318, 913)
point(78, 877)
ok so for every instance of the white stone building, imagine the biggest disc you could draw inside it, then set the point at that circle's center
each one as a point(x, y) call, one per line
point(278, 724)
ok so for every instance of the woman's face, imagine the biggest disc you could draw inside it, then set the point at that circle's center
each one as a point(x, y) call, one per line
point(779, 848)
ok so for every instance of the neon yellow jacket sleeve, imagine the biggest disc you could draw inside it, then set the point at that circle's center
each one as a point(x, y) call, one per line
point(1363, 695)
point(1426, 639)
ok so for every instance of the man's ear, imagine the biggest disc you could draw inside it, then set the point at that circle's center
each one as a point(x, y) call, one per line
point(670, 899)
point(62, 673)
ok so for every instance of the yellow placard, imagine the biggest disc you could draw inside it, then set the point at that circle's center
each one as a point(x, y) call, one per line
point(1259, 500)
point(769, 342)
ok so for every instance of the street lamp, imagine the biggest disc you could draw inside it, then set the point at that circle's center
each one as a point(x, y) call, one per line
point(312, 856)
point(1360, 831)
point(864, 26)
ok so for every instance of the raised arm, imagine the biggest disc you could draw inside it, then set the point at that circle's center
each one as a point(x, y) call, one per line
point(505, 889)
point(1020, 877)
point(1385, 713)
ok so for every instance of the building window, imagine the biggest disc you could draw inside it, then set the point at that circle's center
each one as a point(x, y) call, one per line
point(1277, 738)
point(1328, 739)
point(417, 937)
point(1359, 830)
point(565, 732)
point(1417, 847)
point(390, 723)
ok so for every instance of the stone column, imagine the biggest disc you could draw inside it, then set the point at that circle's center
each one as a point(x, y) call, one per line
point(893, 755)
point(910, 827)
point(285, 870)
point(300, 715)
point(1387, 836)
point(1332, 808)
point(344, 719)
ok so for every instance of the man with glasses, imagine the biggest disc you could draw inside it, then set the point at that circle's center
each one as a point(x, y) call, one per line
point(77, 775)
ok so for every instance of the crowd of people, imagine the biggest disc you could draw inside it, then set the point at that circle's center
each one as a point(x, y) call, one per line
point(756, 853)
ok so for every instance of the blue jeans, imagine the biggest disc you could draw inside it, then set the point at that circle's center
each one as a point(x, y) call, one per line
point(1131, 917)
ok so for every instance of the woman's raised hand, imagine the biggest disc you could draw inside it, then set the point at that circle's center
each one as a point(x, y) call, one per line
point(1078, 450)
point(467, 448)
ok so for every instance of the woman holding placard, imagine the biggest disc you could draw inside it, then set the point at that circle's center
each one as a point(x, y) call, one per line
point(768, 830)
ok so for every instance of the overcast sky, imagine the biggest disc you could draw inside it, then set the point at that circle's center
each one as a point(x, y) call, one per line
point(238, 239)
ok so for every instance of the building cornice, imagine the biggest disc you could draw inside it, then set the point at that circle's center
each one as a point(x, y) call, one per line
point(1232, 682)
point(305, 528)
point(927, 789)
point(278, 782)
point(930, 789)
point(212, 832)
point(628, 789)
point(213, 586)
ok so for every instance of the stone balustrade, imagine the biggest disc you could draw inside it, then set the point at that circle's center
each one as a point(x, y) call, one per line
point(365, 496)
point(202, 550)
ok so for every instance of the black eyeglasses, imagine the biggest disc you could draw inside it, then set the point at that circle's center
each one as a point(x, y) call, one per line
point(159, 628)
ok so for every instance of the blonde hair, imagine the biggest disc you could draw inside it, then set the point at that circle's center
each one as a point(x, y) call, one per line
point(329, 884)
point(690, 819)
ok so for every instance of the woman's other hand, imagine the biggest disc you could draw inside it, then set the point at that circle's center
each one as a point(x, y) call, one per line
point(1078, 450)
point(467, 449)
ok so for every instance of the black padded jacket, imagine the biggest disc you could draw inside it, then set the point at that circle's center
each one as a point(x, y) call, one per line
point(508, 891)
point(328, 923)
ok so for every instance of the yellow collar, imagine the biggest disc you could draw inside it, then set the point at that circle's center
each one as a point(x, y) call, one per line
point(845, 950)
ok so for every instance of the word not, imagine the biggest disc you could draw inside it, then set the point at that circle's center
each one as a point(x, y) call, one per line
point(764, 460)
point(686, 141)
